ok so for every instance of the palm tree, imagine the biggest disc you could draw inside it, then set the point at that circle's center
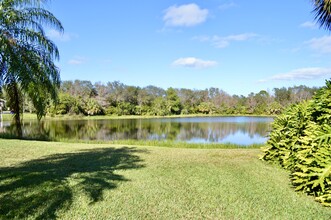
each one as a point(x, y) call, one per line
point(322, 10)
point(27, 55)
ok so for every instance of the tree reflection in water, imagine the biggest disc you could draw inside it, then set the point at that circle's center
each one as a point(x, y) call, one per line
point(201, 129)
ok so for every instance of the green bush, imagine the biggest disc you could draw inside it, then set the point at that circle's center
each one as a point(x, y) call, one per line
point(92, 107)
point(300, 142)
point(67, 105)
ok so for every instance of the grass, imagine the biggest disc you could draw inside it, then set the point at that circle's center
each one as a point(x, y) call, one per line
point(159, 143)
point(26, 116)
point(48, 180)
point(30, 116)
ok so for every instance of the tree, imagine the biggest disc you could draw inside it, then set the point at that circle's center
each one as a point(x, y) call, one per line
point(27, 55)
point(206, 108)
point(79, 88)
point(262, 99)
point(159, 107)
point(322, 10)
point(188, 100)
point(283, 96)
point(67, 104)
point(173, 101)
point(92, 107)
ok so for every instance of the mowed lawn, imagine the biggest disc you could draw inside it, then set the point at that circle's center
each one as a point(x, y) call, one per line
point(48, 180)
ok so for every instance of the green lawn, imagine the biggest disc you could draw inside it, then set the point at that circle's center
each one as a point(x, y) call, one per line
point(47, 180)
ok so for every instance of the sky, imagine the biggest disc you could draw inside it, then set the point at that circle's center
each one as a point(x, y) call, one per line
point(238, 46)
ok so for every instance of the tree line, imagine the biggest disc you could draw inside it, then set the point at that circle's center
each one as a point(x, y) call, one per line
point(115, 98)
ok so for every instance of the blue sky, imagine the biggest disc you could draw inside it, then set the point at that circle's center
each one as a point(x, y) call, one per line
point(238, 46)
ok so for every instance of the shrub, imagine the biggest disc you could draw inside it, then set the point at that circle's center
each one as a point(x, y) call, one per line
point(301, 143)
point(92, 107)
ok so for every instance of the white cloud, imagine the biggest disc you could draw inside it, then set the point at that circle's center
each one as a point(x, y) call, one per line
point(309, 73)
point(185, 15)
point(228, 5)
point(309, 24)
point(321, 45)
point(222, 42)
point(193, 62)
point(56, 35)
point(77, 61)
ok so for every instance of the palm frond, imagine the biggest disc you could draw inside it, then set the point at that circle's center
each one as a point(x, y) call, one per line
point(322, 10)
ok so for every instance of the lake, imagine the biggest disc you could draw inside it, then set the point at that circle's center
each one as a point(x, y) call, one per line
point(236, 130)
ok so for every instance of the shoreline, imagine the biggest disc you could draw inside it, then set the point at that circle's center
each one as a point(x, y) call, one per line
point(31, 116)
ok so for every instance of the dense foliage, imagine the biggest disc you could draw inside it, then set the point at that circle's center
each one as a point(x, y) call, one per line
point(301, 143)
point(115, 98)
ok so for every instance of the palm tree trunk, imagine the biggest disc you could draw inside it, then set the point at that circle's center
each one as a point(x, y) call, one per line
point(17, 110)
point(15, 104)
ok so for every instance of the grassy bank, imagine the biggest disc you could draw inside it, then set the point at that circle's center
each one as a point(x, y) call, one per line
point(162, 143)
point(29, 116)
point(102, 181)
point(26, 116)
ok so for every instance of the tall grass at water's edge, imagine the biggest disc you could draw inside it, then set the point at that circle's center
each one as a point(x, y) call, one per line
point(171, 144)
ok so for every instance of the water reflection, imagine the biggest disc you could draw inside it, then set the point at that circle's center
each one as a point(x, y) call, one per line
point(238, 130)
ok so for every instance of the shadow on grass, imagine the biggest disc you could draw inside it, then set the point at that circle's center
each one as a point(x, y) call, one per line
point(40, 188)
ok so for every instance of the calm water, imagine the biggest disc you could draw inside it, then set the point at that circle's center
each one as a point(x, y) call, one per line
point(237, 130)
